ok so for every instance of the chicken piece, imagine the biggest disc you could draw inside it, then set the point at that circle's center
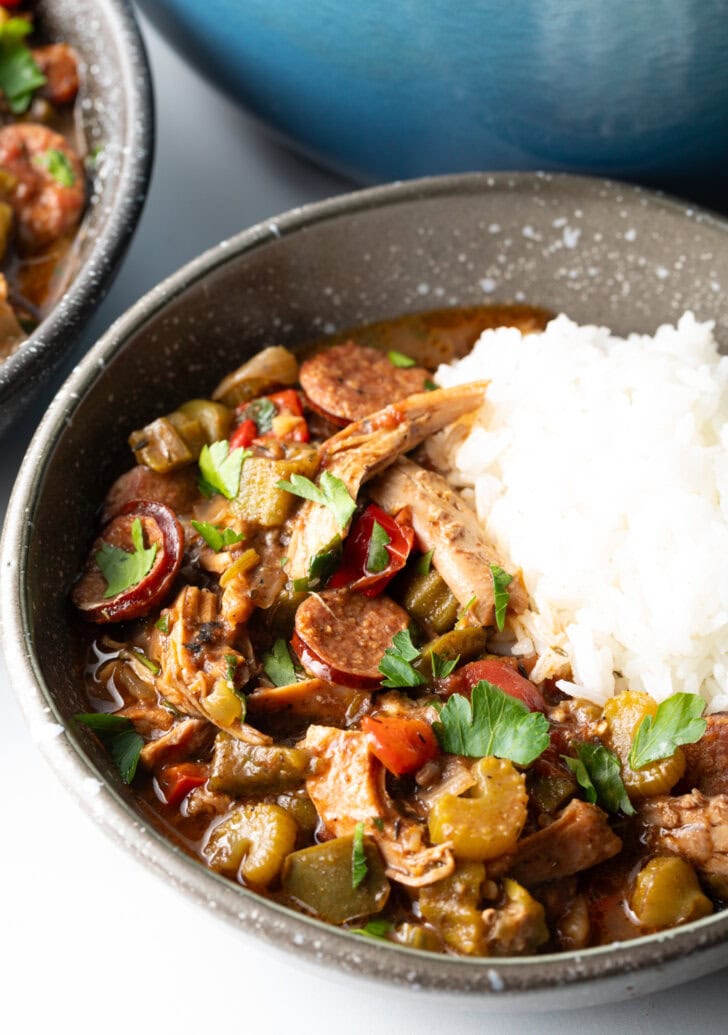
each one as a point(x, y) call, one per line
point(186, 738)
point(195, 657)
point(361, 450)
point(706, 762)
point(517, 927)
point(348, 788)
point(444, 522)
point(579, 838)
point(694, 827)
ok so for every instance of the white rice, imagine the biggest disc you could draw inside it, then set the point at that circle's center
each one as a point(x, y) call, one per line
point(599, 467)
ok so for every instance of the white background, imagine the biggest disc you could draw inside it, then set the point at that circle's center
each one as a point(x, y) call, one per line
point(93, 943)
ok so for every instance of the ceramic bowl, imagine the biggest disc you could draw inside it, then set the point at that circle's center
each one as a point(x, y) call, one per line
point(384, 90)
point(600, 251)
point(116, 108)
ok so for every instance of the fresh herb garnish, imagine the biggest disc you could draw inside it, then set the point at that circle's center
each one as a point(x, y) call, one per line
point(677, 721)
point(378, 555)
point(378, 822)
point(162, 623)
point(470, 604)
point(491, 723)
point(262, 411)
point(330, 492)
point(398, 359)
point(278, 664)
point(220, 469)
point(123, 569)
point(57, 165)
point(395, 664)
point(231, 668)
point(598, 772)
point(147, 662)
point(359, 867)
point(441, 667)
point(424, 564)
point(19, 73)
point(374, 929)
point(430, 386)
point(120, 738)
point(217, 538)
point(501, 581)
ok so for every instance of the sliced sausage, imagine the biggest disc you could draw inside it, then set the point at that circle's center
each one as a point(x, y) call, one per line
point(341, 636)
point(706, 767)
point(57, 62)
point(350, 381)
point(160, 528)
point(175, 489)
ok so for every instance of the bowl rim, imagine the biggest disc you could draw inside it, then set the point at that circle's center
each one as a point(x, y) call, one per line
point(494, 979)
point(34, 360)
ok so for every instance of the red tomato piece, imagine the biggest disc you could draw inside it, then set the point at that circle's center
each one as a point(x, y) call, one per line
point(501, 673)
point(353, 571)
point(401, 744)
point(176, 781)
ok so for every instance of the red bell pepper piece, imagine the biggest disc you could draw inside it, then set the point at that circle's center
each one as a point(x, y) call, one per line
point(401, 744)
point(287, 404)
point(243, 435)
point(501, 673)
point(176, 781)
point(353, 571)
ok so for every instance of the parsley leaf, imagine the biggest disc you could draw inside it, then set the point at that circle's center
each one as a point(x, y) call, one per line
point(120, 738)
point(217, 538)
point(278, 664)
point(398, 359)
point(147, 662)
point(597, 770)
point(441, 667)
point(359, 866)
point(470, 604)
point(262, 411)
point(374, 929)
point(58, 166)
point(430, 386)
point(162, 623)
point(424, 564)
point(395, 664)
point(491, 723)
point(220, 469)
point(501, 581)
point(330, 492)
point(123, 569)
point(19, 74)
point(231, 668)
point(677, 721)
point(378, 555)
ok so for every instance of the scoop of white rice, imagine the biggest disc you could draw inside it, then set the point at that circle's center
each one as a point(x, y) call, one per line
point(599, 467)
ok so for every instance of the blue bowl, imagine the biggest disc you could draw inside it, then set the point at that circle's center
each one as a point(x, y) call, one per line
point(387, 90)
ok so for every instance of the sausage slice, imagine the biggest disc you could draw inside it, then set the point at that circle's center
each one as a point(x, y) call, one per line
point(350, 381)
point(341, 636)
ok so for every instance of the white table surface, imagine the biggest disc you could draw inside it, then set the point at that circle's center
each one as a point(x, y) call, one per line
point(91, 941)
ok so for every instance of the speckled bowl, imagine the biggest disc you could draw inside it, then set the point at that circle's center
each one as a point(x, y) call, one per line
point(117, 110)
point(598, 250)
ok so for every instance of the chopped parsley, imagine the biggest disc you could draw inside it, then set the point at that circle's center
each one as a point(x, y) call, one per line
point(147, 662)
point(378, 555)
point(278, 664)
point(162, 623)
point(119, 737)
point(501, 581)
point(441, 667)
point(123, 569)
point(491, 723)
point(217, 538)
point(399, 359)
point(20, 76)
point(220, 469)
point(262, 411)
point(430, 386)
point(359, 867)
point(57, 165)
point(677, 721)
point(598, 772)
point(330, 492)
point(395, 664)
point(424, 564)
point(231, 668)
point(379, 928)
point(468, 607)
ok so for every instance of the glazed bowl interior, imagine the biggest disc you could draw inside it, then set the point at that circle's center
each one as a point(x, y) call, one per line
point(599, 251)
point(115, 109)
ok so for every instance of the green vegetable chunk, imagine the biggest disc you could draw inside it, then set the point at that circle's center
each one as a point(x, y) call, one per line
point(260, 499)
point(319, 879)
point(176, 440)
point(440, 656)
point(256, 769)
point(491, 723)
point(677, 721)
point(428, 600)
point(598, 772)
point(123, 569)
